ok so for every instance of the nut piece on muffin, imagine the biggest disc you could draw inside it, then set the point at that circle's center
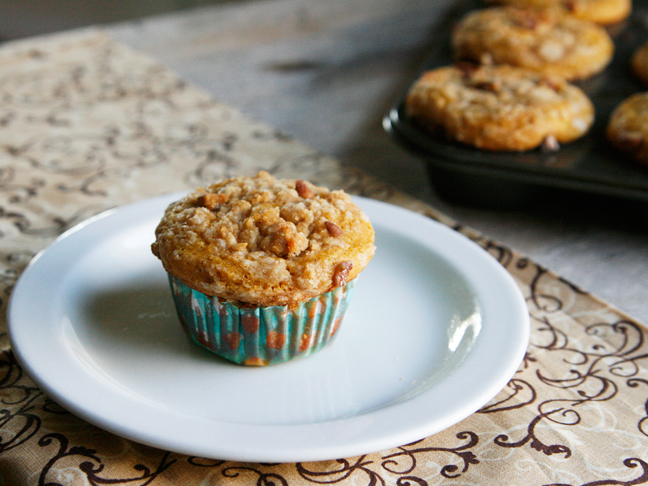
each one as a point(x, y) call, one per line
point(499, 107)
point(262, 269)
point(544, 40)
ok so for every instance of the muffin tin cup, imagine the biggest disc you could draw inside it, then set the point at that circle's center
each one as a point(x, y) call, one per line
point(262, 335)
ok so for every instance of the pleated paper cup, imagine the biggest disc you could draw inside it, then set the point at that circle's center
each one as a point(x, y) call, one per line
point(260, 336)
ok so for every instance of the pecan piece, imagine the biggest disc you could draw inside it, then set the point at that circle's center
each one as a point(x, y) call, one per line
point(550, 83)
point(526, 19)
point(467, 69)
point(333, 229)
point(212, 201)
point(492, 85)
point(303, 190)
point(341, 273)
point(550, 144)
point(570, 5)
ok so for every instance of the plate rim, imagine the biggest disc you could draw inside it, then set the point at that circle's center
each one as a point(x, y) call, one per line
point(366, 420)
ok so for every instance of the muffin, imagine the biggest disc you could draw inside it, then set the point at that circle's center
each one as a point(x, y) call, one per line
point(543, 40)
point(499, 107)
point(262, 269)
point(603, 12)
point(639, 63)
point(627, 127)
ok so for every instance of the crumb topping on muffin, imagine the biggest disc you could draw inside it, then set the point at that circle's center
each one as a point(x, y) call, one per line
point(499, 107)
point(262, 241)
point(544, 40)
point(603, 12)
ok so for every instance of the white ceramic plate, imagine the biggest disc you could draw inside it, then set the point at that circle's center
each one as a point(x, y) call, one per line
point(436, 329)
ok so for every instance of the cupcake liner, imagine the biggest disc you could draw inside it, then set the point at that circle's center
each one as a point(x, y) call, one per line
point(262, 335)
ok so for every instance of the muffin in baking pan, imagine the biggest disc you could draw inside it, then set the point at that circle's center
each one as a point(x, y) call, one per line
point(543, 40)
point(499, 107)
point(627, 128)
point(603, 12)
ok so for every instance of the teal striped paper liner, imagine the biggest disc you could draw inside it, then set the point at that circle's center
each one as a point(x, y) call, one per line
point(263, 335)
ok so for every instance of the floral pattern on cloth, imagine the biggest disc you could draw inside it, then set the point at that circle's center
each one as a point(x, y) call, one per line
point(88, 124)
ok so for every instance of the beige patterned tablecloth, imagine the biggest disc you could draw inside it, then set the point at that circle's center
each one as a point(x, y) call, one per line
point(87, 124)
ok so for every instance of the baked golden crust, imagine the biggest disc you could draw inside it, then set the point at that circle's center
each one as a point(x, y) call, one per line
point(639, 63)
point(627, 127)
point(499, 107)
point(544, 40)
point(259, 241)
point(602, 12)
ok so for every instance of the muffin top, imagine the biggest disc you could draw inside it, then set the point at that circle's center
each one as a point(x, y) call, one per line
point(499, 107)
point(604, 12)
point(544, 40)
point(260, 241)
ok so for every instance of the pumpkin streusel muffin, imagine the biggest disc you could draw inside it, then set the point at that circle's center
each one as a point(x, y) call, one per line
point(602, 12)
point(262, 269)
point(499, 107)
point(627, 127)
point(544, 40)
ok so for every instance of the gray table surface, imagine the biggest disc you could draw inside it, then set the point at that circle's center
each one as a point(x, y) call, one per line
point(326, 73)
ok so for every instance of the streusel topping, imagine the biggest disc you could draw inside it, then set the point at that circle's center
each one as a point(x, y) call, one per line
point(499, 107)
point(263, 241)
point(603, 12)
point(546, 41)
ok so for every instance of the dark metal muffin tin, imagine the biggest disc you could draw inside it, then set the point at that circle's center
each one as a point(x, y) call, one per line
point(590, 165)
